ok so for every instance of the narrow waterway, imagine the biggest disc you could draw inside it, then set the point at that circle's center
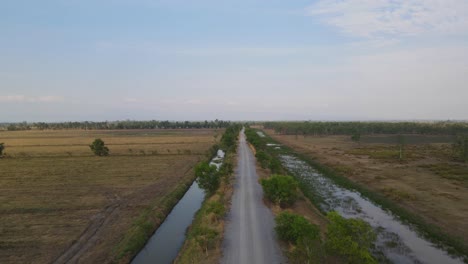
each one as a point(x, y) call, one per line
point(164, 245)
point(395, 240)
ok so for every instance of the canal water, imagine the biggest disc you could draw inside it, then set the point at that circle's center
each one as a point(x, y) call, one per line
point(395, 240)
point(164, 245)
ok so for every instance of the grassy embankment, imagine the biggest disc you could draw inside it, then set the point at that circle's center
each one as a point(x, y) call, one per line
point(205, 235)
point(55, 191)
point(390, 197)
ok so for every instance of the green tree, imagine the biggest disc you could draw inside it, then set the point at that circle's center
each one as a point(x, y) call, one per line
point(350, 238)
point(293, 228)
point(280, 189)
point(305, 236)
point(2, 148)
point(99, 148)
point(207, 177)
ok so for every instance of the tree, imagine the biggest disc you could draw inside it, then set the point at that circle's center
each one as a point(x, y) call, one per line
point(207, 177)
point(2, 148)
point(305, 237)
point(99, 148)
point(280, 189)
point(350, 238)
point(292, 227)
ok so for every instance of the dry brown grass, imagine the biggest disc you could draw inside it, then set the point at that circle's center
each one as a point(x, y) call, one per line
point(52, 188)
point(426, 182)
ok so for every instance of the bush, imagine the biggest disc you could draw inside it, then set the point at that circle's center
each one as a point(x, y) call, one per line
point(262, 158)
point(280, 189)
point(275, 166)
point(99, 148)
point(2, 148)
point(205, 237)
point(294, 228)
point(207, 177)
point(350, 238)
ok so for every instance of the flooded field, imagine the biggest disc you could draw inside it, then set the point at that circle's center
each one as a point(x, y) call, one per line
point(396, 241)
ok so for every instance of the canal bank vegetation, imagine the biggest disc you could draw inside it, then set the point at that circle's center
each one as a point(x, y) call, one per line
point(388, 198)
point(144, 226)
point(205, 235)
point(317, 238)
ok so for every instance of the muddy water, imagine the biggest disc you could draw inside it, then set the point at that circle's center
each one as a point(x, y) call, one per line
point(166, 242)
point(395, 240)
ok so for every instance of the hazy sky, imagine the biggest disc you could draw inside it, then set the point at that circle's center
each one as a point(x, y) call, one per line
point(259, 59)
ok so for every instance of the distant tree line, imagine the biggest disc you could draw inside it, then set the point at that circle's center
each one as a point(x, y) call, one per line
point(366, 128)
point(127, 124)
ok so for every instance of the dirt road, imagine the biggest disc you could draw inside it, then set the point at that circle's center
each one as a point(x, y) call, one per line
point(249, 236)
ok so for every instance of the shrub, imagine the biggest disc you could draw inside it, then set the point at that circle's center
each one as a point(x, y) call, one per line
point(293, 228)
point(350, 238)
point(275, 166)
point(99, 148)
point(207, 177)
point(280, 189)
point(262, 158)
point(2, 148)
point(205, 237)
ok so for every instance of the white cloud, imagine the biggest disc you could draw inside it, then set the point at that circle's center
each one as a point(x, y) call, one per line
point(30, 99)
point(383, 18)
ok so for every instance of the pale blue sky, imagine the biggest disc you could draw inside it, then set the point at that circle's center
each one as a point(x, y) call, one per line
point(262, 59)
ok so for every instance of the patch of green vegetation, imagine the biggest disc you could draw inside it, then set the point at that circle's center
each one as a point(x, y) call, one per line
point(2, 148)
point(207, 177)
point(263, 158)
point(397, 195)
point(99, 148)
point(216, 208)
point(295, 229)
point(280, 189)
point(350, 238)
point(454, 172)
point(376, 152)
point(343, 169)
point(205, 237)
point(389, 153)
point(292, 228)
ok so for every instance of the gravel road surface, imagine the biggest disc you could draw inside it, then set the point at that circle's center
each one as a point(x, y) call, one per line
point(250, 235)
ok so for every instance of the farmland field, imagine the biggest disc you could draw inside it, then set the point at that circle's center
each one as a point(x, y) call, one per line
point(427, 181)
point(54, 193)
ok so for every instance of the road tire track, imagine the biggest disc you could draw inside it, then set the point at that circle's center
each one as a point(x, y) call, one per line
point(249, 236)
